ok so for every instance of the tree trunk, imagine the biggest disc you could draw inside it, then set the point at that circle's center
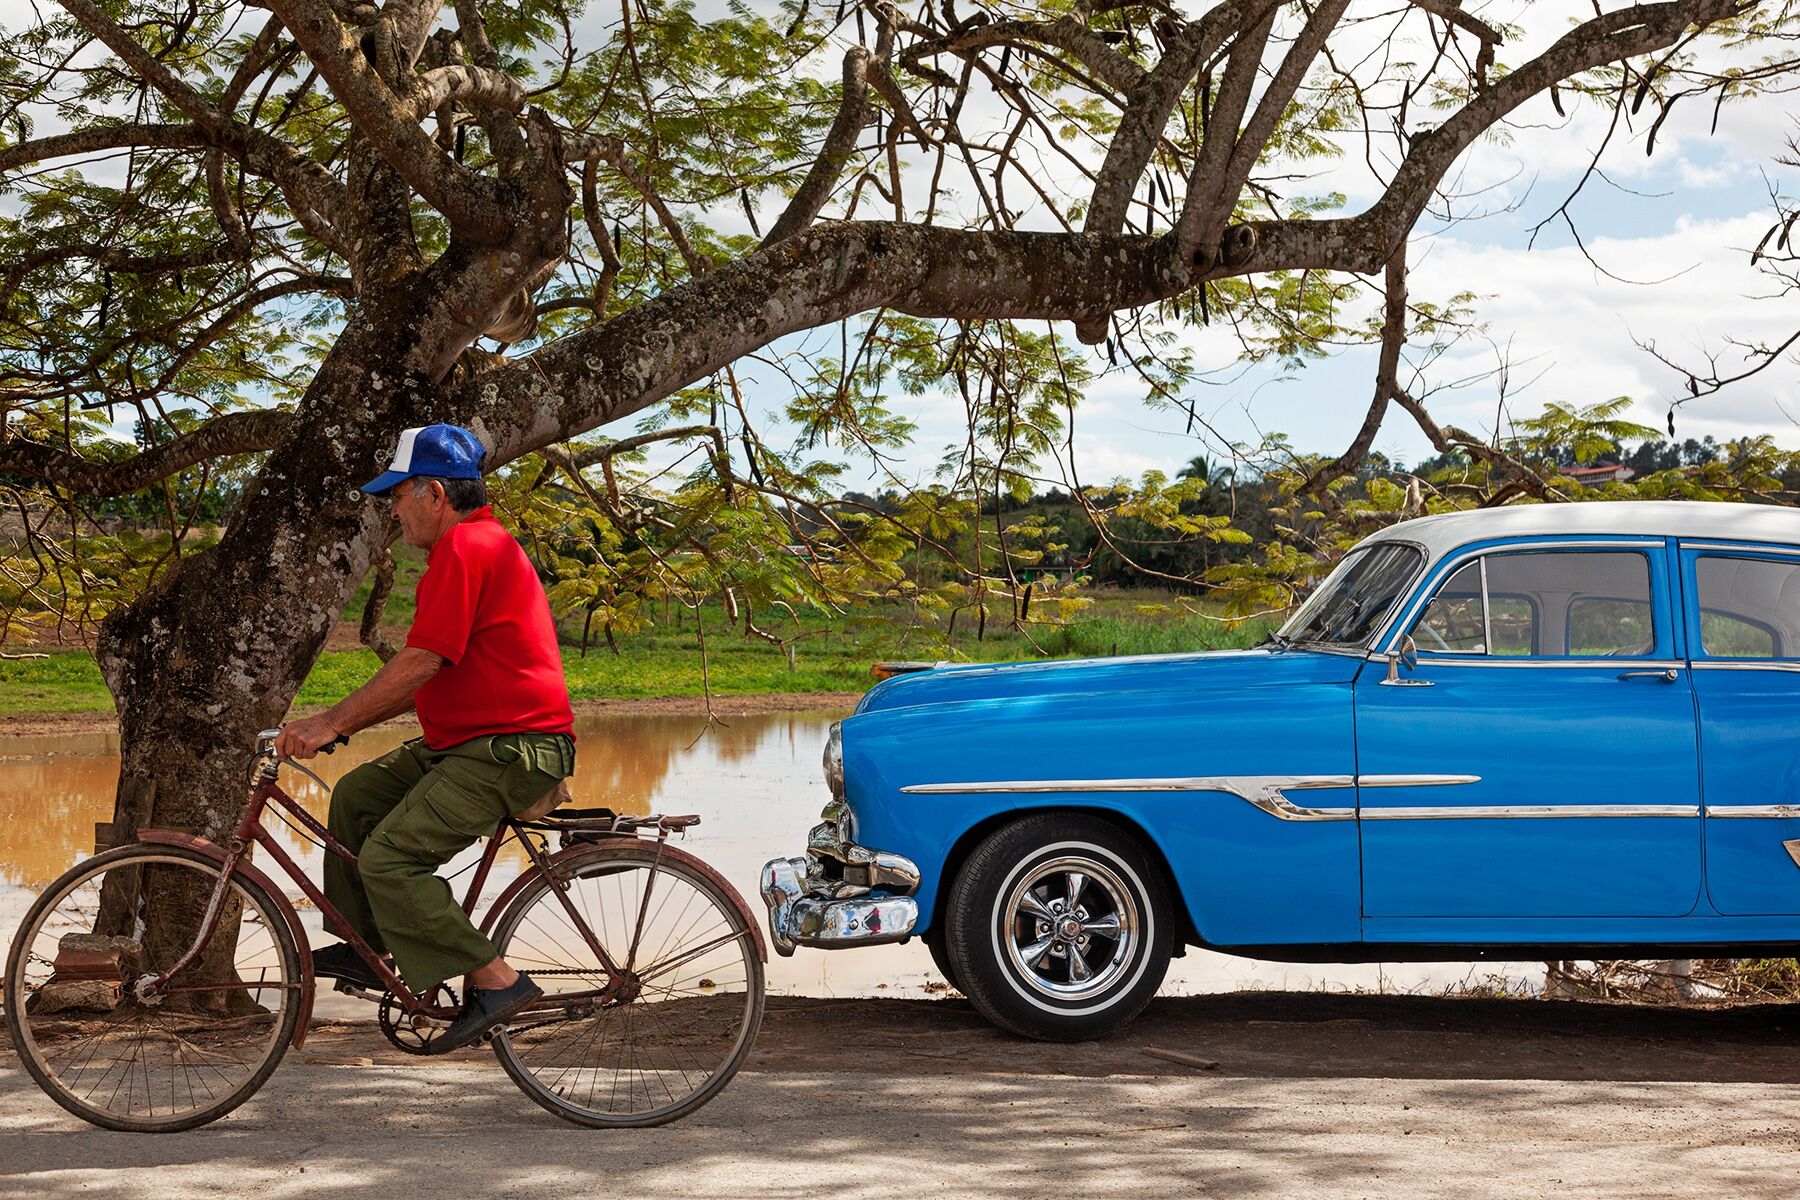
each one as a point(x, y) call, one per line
point(219, 650)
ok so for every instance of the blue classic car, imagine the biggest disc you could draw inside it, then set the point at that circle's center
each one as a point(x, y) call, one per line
point(1556, 731)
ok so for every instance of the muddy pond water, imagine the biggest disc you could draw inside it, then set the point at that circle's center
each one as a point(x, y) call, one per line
point(756, 782)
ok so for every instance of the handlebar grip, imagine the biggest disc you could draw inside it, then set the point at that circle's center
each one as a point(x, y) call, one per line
point(342, 739)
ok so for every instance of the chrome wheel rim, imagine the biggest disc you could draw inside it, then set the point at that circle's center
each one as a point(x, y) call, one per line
point(1070, 928)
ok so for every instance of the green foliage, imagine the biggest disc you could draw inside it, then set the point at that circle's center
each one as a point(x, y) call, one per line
point(722, 110)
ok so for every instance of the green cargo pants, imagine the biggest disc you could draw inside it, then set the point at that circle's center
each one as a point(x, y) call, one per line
point(408, 813)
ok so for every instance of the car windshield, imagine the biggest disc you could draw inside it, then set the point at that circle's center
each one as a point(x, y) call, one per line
point(1355, 599)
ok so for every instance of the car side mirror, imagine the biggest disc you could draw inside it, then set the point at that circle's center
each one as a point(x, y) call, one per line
point(1407, 655)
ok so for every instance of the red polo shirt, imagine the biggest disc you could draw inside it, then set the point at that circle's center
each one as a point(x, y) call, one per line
point(481, 607)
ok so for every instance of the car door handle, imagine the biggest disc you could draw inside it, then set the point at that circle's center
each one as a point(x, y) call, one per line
point(1668, 675)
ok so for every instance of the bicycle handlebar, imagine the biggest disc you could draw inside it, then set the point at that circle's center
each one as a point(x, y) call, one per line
point(265, 743)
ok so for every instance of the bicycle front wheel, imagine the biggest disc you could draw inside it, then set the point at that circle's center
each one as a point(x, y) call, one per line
point(690, 1014)
point(168, 1062)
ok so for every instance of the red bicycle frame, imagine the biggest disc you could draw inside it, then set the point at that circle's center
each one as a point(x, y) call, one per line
point(234, 861)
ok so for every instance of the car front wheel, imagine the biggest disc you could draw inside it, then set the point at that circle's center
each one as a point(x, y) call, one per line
point(1059, 927)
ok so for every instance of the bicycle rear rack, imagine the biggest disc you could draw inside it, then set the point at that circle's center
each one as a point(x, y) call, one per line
point(596, 824)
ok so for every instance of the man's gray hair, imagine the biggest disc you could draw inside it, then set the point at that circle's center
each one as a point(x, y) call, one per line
point(464, 495)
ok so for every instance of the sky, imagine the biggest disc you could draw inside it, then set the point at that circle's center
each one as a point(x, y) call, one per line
point(1669, 235)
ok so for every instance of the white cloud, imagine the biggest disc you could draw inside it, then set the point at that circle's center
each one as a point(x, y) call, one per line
point(1573, 328)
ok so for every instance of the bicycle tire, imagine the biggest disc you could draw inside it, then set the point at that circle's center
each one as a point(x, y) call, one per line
point(599, 864)
point(34, 1052)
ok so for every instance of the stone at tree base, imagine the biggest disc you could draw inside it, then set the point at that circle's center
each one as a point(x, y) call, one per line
point(76, 995)
point(92, 971)
point(97, 956)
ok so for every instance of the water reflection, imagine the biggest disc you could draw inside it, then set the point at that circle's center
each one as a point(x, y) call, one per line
point(756, 781)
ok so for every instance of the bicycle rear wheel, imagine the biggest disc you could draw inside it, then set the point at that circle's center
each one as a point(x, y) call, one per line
point(182, 1059)
point(673, 1045)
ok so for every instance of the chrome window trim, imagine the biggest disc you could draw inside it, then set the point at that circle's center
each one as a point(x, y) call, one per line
point(1329, 648)
point(1487, 620)
point(1560, 664)
point(1405, 614)
point(1744, 548)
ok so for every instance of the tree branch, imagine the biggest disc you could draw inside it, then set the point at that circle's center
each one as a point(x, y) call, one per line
point(1221, 136)
point(1449, 439)
point(1150, 105)
point(1065, 33)
point(233, 433)
point(309, 186)
point(1202, 224)
point(106, 137)
point(477, 87)
point(1364, 243)
point(468, 200)
point(1387, 383)
point(611, 150)
point(412, 21)
point(840, 143)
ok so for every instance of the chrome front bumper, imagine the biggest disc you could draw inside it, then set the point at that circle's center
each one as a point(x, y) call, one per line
point(839, 894)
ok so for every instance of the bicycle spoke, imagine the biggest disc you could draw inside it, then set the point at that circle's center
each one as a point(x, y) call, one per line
point(196, 1052)
point(680, 1031)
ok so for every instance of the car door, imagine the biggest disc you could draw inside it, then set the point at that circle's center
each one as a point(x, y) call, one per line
point(1540, 762)
point(1743, 621)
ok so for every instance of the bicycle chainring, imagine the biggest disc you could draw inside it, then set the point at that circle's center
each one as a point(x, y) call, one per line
point(399, 1029)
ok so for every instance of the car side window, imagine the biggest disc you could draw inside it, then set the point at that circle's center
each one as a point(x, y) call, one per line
point(1542, 603)
point(1605, 625)
point(1454, 623)
point(1749, 607)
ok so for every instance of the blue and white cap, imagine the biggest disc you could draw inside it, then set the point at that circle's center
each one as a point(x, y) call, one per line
point(443, 451)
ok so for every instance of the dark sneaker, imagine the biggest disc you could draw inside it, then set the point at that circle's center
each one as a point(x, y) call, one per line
point(486, 1010)
point(341, 962)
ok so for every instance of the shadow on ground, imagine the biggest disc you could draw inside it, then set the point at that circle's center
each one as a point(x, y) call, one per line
point(1311, 1034)
point(1315, 1095)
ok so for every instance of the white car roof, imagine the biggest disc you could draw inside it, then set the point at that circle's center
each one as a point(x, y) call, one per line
point(1692, 519)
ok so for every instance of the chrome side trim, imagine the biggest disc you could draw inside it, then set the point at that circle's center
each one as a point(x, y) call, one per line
point(1555, 664)
point(1752, 810)
point(1530, 811)
point(1760, 664)
point(1266, 792)
point(1386, 781)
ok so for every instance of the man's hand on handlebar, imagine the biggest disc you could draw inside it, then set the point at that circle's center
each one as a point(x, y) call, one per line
point(306, 737)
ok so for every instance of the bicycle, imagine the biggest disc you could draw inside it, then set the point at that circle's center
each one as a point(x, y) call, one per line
point(131, 1011)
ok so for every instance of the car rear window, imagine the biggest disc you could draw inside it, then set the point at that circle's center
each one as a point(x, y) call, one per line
point(1749, 607)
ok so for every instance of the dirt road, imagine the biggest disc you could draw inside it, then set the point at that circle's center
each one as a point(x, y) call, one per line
point(1314, 1096)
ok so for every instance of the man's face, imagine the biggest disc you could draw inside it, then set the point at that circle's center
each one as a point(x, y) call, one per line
point(420, 509)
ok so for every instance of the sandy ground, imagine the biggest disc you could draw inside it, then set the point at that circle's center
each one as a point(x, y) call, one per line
point(1314, 1096)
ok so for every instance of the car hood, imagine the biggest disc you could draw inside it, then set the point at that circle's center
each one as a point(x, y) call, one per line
point(1167, 673)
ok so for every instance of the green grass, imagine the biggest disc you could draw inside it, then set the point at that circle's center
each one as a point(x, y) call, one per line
point(834, 656)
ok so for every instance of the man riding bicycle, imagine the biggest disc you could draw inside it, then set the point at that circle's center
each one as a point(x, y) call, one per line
point(482, 669)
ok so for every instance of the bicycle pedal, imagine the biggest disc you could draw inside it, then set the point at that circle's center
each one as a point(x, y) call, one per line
point(350, 989)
